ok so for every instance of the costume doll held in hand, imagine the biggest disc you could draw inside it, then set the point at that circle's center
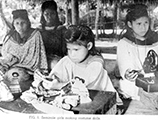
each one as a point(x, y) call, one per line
point(22, 51)
point(82, 63)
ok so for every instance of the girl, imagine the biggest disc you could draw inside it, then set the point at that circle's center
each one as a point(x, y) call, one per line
point(22, 48)
point(83, 62)
point(133, 48)
point(23, 45)
point(52, 32)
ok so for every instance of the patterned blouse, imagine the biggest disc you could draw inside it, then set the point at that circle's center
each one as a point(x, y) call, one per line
point(30, 54)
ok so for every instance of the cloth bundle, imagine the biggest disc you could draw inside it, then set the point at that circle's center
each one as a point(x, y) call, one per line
point(74, 86)
point(5, 94)
point(70, 95)
point(150, 100)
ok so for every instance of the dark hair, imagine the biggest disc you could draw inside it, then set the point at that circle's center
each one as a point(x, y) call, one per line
point(21, 13)
point(136, 11)
point(49, 5)
point(52, 6)
point(81, 35)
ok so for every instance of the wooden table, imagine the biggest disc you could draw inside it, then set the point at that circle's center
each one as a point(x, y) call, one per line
point(18, 105)
point(102, 103)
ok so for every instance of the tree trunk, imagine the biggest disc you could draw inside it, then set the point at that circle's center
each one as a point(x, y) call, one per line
point(66, 12)
point(75, 12)
point(97, 19)
point(87, 11)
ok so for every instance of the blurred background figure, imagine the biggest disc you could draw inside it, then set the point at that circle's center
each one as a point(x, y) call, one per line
point(52, 32)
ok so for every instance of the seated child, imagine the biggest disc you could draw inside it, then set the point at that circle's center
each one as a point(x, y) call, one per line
point(83, 62)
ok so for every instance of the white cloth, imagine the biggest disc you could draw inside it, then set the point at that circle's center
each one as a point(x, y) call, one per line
point(30, 97)
point(130, 55)
point(5, 94)
point(138, 108)
point(49, 109)
point(92, 71)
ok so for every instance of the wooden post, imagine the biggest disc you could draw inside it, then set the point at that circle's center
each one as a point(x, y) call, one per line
point(87, 11)
point(116, 19)
point(66, 12)
point(75, 12)
point(97, 19)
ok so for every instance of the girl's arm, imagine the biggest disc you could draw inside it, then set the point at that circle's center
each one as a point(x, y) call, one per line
point(60, 73)
point(54, 83)
point(48, 82)
point(7, 57)
point(123, 58)
point(9, 60)
point(97, 78)
point(43, 59)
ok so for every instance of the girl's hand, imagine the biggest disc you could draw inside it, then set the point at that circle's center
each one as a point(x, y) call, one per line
point(53, 83)
point(48, 83)
point(131, 75)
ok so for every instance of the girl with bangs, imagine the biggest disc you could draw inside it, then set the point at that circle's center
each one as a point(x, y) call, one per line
point(132, 51)
point(83, 62)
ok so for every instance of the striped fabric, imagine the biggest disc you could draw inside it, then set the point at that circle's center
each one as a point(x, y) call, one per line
point(15, 86)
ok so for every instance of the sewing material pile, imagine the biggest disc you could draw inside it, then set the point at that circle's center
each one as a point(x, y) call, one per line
point(62, 100)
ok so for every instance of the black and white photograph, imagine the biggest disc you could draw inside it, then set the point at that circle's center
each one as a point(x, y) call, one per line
point(78, 59)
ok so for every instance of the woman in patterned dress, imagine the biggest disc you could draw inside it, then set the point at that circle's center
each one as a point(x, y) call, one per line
point(22, 48)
